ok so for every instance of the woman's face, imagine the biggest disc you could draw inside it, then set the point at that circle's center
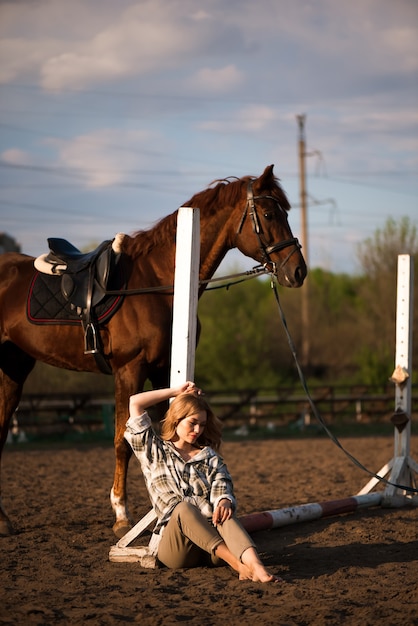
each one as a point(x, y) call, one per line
point(190, 428)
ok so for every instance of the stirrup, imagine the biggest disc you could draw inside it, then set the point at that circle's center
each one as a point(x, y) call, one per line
point(90, 340)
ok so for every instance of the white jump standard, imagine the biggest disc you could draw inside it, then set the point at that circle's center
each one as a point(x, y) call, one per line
point(402, 468)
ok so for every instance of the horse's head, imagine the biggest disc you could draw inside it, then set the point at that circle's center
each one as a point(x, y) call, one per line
point(263, 231)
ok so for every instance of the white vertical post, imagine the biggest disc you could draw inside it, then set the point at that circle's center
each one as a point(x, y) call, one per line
point(186, 292)
point(183, 348)
point(403, 358)
point(403, 466)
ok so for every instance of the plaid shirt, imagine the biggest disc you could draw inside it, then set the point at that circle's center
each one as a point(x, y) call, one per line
point(204, 480)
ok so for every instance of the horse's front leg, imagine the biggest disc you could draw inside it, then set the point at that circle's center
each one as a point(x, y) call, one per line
point(128, 380)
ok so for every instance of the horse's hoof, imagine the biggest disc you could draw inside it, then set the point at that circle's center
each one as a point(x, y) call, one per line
point(121, 528)
point(6, 529)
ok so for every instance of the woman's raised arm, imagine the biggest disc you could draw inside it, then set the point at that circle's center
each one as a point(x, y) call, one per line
point(144, 399)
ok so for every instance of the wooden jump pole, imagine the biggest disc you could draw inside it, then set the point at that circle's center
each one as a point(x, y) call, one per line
point(401, 467)
point(307, 512)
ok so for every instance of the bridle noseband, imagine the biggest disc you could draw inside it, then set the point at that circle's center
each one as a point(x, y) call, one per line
point(266, 250)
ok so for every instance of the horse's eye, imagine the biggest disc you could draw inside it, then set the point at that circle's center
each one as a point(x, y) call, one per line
point(268, 216)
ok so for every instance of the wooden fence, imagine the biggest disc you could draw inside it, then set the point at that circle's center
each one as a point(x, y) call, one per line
point(48, 414)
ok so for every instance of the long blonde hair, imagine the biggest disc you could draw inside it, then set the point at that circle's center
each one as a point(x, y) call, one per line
point(189, 404)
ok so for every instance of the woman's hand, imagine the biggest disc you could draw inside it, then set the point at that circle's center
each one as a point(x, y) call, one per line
point(189, 387)
point(222, 512)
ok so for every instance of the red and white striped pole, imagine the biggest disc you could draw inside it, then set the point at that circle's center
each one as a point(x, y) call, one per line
point(307, 512)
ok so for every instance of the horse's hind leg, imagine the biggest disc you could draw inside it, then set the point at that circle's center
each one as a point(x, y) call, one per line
point(15, 367)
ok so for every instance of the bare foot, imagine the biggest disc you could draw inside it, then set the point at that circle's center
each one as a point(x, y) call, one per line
point(258, 574)
point(254, 569)
point(249, 567)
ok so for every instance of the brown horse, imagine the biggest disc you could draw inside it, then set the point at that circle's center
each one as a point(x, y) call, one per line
point(248, 213)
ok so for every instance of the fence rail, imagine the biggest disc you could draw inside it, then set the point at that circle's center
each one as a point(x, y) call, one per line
point(336, 404)
point(46, 414)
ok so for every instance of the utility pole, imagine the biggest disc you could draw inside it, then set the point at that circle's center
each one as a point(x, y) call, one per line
point(305, 356)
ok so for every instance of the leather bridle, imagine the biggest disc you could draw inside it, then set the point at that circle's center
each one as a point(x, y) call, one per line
point(266, 250)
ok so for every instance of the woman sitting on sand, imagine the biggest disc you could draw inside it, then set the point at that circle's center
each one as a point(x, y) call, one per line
point(189, 485)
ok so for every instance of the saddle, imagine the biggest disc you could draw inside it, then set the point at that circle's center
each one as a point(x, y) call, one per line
point(84, 280)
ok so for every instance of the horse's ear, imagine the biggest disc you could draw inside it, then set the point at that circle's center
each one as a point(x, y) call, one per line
point(266, 178)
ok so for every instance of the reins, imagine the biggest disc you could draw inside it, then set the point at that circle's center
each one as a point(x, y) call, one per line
point(243, 276)
point(312, 404)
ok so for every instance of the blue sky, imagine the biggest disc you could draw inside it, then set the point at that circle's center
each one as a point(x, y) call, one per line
point(113, 114)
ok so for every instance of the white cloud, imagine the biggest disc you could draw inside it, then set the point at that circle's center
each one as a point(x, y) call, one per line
point(135, 41)
point(20, 57)
point(76, 70)
point(252, 118)
point(15, 156)
point(217, 80)
point(97, 156)
point(200, 15)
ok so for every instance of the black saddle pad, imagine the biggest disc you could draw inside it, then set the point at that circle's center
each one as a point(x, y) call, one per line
point(47, 305)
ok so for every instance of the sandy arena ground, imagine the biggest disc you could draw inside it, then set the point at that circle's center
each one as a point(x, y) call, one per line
point(356, 569)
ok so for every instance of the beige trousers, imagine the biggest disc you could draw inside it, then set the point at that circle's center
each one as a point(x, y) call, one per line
point(190, 540)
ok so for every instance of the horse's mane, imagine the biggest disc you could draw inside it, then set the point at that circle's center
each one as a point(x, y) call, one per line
point(219, 194)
